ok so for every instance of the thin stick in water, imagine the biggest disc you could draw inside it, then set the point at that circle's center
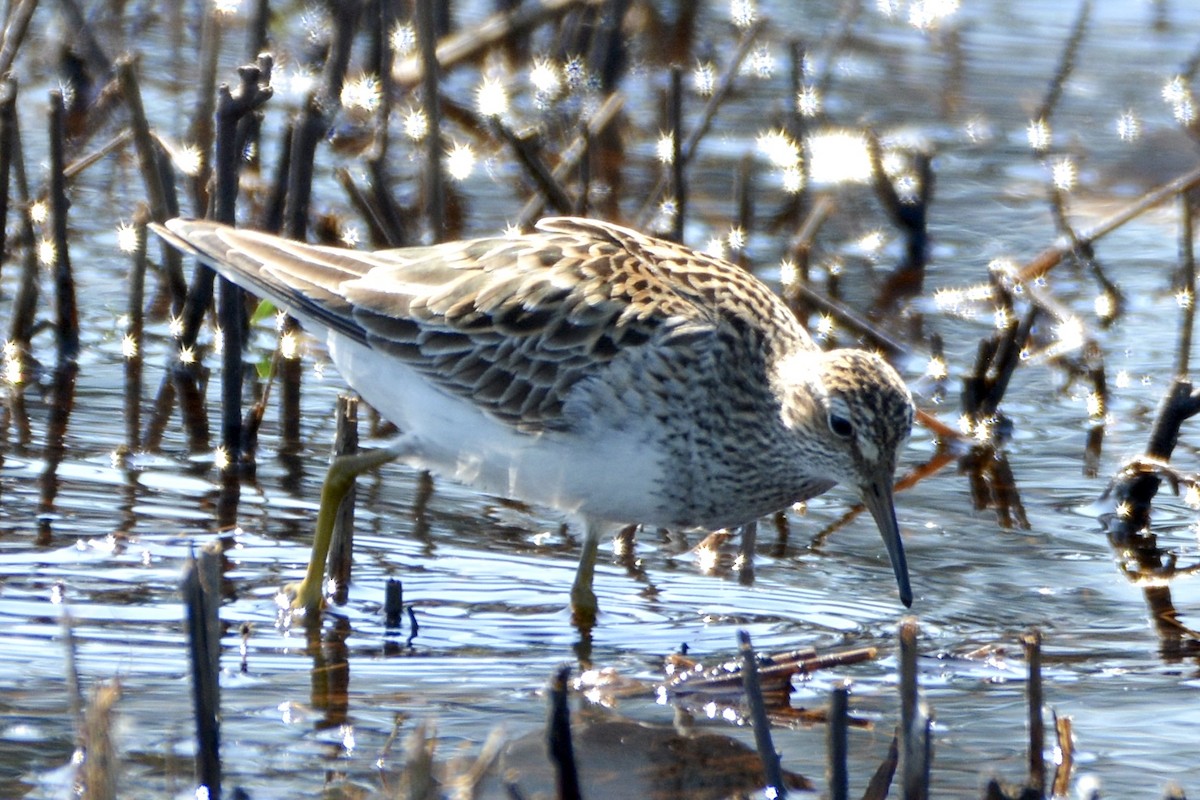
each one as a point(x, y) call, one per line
point(758, 716)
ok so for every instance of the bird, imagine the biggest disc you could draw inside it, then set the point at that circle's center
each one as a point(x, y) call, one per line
point(587, 367)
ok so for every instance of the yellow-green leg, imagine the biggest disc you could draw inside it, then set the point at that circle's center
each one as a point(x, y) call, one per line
point(309, 594)
point(584, 607)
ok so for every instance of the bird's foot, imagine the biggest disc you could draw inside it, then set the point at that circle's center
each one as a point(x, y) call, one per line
point(304, 596)
point(584, 608)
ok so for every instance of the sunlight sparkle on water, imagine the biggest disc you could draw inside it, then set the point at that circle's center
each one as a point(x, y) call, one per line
point(704, 78)
point(1129, 127)
point(416, 124)
point(1192, 496)
point(1178, 95)
point(129, 346)
point(289, 345)
point(362, 94)
point(1063, 173)
point(403, 38)
point(743, 12)
point(127, 238)
point(1038, 134)
point(226, 7)
point(788, 273)
point(762, 62)
point(39, 211)
point(1105, 305)
point(808, 101)
point(926, 14)
point(1185, 112)
point(546, 77)
point(664, 148)
point(218, 341)
point(839, 157)
point(297, 82)
point(1184, 298)
point(575, 72)
point(736, 238)
point(46, 252)
point(491, 98)
point(826, 326)
point(779, 148)
point(936, 368)
point(716, 247)
point(187, 355)
point(1070, 333)
point(188, 160)
point(1175, 90)
point(792, 179)
point(460, 162)
point(12, 363)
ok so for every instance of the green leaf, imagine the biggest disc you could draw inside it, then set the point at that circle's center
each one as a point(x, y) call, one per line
point(265, 309)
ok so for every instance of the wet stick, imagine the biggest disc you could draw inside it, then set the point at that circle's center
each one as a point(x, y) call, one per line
point(1032, 642)
point(434, 179)
point(100, 772)
point(200, 585)
point(341, 544)
point(469, 43)
point(676, 167)
point(8, 99)
point(743, 191)
point(66, 311)
point(720, 91)
point(163, 204)
point(528, 153)
point(1065, 752)
point(1066, 64)
point(758, 716)
point(574, 156)
point(1187, 255)
point(204, 78)
point(233, 109)
point(839, 709)
point(15, 29)
point(133, 330)
point(393, 604)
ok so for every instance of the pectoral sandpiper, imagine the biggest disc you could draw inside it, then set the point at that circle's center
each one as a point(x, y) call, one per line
point(587, 367)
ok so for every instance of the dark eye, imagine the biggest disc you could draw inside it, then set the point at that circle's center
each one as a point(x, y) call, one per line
point(840, 426)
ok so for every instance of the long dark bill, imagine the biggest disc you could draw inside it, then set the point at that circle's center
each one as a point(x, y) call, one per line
point(877, 496)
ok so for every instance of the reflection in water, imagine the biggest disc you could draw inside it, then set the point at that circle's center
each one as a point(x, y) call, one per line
point(61, 401)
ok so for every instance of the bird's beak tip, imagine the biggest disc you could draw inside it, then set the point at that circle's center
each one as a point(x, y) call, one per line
point(878, 499)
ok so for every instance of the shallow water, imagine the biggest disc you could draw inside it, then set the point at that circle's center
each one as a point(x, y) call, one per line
point(488, 582)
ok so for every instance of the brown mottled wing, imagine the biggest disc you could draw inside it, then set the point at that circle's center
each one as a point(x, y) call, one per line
point(509, 323)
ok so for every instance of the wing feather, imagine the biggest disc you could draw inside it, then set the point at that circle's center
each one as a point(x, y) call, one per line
point(509, 323)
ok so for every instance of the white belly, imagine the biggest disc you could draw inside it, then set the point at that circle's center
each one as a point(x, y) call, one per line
point(596, 473)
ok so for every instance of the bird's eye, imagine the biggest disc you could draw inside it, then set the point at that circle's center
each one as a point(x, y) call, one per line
point(840, 426)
